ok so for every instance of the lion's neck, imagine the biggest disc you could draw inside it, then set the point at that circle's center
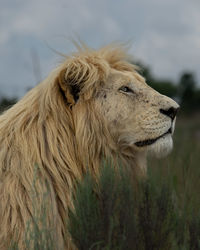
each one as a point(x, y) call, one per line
point(99, 153)
point(135, 160)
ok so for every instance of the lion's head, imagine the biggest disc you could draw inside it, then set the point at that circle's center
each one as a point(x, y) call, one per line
point(95, 105)
point(138, 118)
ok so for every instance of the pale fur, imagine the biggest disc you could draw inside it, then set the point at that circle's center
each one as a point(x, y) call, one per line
point(48, 140)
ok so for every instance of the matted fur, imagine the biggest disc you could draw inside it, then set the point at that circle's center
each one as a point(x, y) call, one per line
point(52, 136)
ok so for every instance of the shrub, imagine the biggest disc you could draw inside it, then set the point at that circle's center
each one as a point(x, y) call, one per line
point(114, 213)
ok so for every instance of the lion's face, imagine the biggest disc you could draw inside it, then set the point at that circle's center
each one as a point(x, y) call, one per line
point(137, 115)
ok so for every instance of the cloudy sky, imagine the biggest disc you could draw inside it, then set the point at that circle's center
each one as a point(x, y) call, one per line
point(165, 35)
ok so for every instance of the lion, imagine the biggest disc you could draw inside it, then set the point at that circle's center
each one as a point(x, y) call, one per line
point(93, 106)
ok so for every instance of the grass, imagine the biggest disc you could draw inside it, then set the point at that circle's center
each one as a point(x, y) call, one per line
point(181, 168)
point(181, 171)
point(114, 213)
point(161, 212)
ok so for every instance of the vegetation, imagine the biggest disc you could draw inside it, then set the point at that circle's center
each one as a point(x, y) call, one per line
point(119, 216)
point(6, 103)
point(117, 213)
point(161, 212)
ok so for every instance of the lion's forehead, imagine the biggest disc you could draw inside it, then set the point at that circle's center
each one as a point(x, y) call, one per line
point(125, 77)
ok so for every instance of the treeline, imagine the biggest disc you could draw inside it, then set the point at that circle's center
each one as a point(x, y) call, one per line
point(186, 91)
point(6, 103)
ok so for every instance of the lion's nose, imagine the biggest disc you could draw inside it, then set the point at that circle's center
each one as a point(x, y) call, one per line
point(171, 112)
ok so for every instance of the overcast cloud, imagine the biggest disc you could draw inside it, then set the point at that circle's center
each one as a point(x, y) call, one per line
point(165, 35)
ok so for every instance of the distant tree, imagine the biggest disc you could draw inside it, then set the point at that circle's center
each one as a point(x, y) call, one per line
point(165, 87)
point(187, 91)
point(197, 99)
point(6, 103)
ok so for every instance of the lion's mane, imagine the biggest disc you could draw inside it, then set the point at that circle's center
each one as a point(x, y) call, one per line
point(49, 136)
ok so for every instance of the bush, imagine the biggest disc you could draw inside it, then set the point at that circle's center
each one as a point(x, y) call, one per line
point(115, 213)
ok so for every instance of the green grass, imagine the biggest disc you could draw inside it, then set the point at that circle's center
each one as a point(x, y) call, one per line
point(161, 212)
point(181, 171)
point(116, 214)
point(182, 167)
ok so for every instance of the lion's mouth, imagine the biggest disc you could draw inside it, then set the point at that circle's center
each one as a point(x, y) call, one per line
point(151, 141)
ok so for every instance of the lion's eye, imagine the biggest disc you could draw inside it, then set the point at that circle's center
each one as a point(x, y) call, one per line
point(126, 89)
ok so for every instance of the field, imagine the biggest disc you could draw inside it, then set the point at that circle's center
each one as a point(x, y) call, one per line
point(182, 166)
point(162, 213)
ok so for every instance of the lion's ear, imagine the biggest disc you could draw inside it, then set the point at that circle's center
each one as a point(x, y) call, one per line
point(69, 88)
point(77, 74)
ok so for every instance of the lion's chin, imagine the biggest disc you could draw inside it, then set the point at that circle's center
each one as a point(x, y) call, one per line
point(161, 147)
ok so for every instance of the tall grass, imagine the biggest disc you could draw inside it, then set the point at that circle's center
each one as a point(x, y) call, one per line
point(115, 212)
point(181, 171)
point(163, 212)
point(181, 168)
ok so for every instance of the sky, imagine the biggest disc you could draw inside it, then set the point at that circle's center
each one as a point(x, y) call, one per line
point(164, 35)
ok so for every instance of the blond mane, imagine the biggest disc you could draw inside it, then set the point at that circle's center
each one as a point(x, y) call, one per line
point(46, 129)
